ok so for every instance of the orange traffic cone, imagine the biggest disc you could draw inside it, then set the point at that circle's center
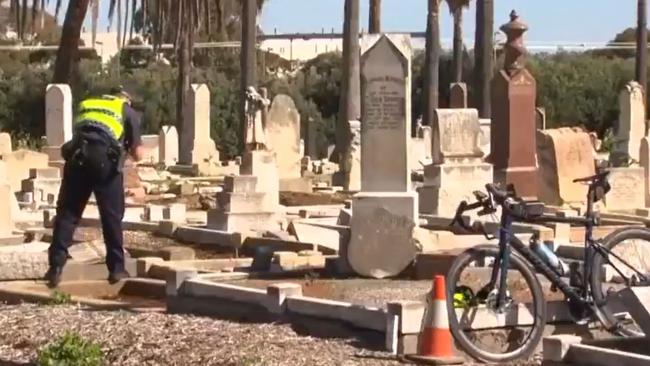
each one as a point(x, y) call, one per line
point(436, 343)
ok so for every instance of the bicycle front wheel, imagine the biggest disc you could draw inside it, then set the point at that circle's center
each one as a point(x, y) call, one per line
point(481, 328)
point(627, 251)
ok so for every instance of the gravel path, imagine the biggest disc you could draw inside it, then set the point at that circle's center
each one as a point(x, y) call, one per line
point(162, 339)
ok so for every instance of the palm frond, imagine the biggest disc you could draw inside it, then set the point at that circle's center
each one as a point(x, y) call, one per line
point(454, 5)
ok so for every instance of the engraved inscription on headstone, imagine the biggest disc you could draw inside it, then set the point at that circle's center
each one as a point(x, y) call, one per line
point(385, 127)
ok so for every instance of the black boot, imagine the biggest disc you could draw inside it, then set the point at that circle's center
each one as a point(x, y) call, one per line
point(53, 276)
point(115, 277)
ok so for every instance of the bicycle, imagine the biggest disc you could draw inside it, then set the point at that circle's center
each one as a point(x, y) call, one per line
point(584, 292)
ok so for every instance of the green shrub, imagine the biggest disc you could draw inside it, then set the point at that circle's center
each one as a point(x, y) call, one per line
point(70, 350)
point(60, 298)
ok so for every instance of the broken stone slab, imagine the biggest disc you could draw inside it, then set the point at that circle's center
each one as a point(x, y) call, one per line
point(290, 261)
point(637, 301)
point(323, 237)
point(172, 253)
point(199, 235)
point(251, 244)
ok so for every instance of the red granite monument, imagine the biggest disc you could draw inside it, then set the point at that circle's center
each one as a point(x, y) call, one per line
point(513, 116)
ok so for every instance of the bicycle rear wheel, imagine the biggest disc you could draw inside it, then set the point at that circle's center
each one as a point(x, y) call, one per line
point(473, 317)
point(629, 252)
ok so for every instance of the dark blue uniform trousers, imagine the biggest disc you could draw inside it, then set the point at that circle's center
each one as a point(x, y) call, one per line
point(78, 183)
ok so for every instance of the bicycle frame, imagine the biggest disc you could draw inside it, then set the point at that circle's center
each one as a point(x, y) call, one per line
point(507, 240)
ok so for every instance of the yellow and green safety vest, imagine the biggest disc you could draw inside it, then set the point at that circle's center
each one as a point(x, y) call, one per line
point(105, 112)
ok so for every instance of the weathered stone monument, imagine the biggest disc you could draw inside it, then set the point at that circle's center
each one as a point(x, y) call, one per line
point(644, 161)
point(168, 145)
point(420, 148)
point(513, 116)
point(151, 147)
point(43, 185)
point(631, 125)
point(564, 154)
point(486, 128)
point(457, 167)
point(256, 117)
point(58, 120)
point(458, 95)
point(627, 189)
point(196, 147)
point(283, 135)
point(384, 213)
point(540, 118)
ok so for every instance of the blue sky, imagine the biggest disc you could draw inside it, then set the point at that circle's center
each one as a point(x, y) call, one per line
point(549, 20)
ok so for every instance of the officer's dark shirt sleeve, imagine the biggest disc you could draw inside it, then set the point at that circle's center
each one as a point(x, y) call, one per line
point(132, 132)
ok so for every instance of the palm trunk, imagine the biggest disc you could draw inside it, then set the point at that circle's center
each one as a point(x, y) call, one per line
point(458, 45)
point(374, 21)
point(483, 50)
point(69, 45)
point(642, 45)
point(248, 61)
point(184, 72)
point(432, 62)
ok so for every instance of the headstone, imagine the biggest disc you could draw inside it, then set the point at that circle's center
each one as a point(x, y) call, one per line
point(631, 126)
point(283, 135)
point(5, 143)
point(6, 221)
point(168, 145)
point(311, 148)
point(564, 154)
point(540, 118)
point(644, 161)
point(486, 126)
point(513, 116)
point(385, 112)
point(458, 95)
point(456, 157)
point(385, 182)
point(19, 163)
point(196, 146)
point(627, 189)
point(150, 144)
point(58, 114)
point(243, 206)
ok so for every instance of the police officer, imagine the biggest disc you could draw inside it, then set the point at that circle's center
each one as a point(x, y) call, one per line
point(106, 129)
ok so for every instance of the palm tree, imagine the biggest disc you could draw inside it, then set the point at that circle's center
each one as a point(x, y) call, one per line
point(641, 72)
point(456, 8)
point(483, 55)
point(374, 21)
point(431, 61)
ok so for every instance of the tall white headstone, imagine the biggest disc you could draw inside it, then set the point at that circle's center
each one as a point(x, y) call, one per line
point(283, 135)
point(168, 145)
point(196, 146)
point(58, 114)
point(386, 207)
point(631, 126)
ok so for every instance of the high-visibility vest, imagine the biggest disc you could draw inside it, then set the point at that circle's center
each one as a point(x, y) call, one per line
point(105, 113)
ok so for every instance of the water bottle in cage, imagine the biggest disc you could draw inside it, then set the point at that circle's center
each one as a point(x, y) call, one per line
point(548, 256)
